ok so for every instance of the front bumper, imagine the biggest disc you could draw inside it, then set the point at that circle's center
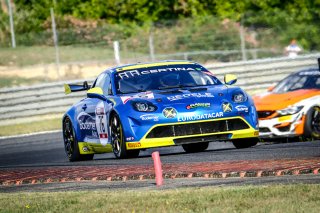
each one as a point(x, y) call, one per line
point(147, 142)
point(284, 126)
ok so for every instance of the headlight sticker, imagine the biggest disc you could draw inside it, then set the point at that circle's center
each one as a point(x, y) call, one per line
point(169, 112)
point(226, 107)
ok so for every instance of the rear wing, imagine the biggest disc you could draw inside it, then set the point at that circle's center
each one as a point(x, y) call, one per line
point(69, 88)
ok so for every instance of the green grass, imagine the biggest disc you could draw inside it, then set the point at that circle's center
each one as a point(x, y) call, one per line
point(272, 198)
point(24, 56)
point(10, 81)
point(36, 126)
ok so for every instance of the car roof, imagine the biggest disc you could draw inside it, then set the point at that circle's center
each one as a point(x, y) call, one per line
point(145, 65)
point(308, 71)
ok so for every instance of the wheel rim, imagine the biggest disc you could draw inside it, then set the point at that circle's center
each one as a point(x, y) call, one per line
point(68, 137)
point(116, 135)
point(315, 122)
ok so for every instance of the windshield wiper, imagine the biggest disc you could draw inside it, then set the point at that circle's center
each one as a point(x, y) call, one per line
point(177, 86)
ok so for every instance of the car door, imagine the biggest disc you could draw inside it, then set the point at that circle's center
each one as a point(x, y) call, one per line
point(102, 109)
point(87, 116)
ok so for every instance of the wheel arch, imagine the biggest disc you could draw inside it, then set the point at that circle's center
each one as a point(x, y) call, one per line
point(72, 116)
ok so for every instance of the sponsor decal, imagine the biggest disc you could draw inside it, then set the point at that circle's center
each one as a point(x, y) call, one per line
point(134, 73)
point(226, 107)
point(87, 126)
point(310, 73)
point(185, 96)
point(209, 73)
point(103, 135)
point(169, 112)
point(148, 95)
point(100, 111)
point(194, 117)
point(242, 108)
point(197, 105)
point(129, 138)
point(134, 144)
point(149, 117)
point(85, 149)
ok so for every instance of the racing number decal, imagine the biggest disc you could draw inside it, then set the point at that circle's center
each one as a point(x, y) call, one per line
point(102, 128)
point(101, 123)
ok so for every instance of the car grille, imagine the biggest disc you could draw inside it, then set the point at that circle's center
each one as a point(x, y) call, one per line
point(265, 114)
point(264, 129)
point(201, 139)
point(197, 128)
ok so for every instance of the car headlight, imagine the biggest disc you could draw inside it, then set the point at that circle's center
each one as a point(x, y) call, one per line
point(144, 106)
point(290, 110)
point(239, 97)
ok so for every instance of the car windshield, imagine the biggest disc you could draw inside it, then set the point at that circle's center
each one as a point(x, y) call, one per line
point(302, 80)
point(163, 77)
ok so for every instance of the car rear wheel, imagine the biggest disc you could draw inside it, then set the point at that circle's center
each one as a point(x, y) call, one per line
point(195, 147)
point(117, 140)
point(312, 123)
point(245, 142)
point(71, 143)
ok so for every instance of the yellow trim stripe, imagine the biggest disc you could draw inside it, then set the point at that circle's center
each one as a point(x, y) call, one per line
point(168, 141)
point(96, 90)
point(93, 148)
point(151, 65)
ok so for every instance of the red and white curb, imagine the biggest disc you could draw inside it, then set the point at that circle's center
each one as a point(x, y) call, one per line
point(226, 169)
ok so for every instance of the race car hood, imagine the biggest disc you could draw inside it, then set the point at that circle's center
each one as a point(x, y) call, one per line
point(273, 101)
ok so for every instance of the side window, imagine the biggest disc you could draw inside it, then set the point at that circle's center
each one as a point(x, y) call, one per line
point(103, 81)
point(100, 80)
point(107, 88)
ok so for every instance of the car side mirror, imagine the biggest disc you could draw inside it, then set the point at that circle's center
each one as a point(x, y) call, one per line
point(96, 92)
point(230, 79)
point(270, 88)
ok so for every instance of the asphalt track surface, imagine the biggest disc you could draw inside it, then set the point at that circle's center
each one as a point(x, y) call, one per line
point(45, 152)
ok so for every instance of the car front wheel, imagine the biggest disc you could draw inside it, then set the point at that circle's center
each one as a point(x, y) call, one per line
point(245, 142)
point(312, 123)
point(195, 147)
point(117, 140)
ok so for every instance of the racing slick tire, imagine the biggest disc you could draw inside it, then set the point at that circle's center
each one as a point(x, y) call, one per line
point(312, 123)
point(245, 142)
point(195, 147)
point(117, 140)
point(71, 144)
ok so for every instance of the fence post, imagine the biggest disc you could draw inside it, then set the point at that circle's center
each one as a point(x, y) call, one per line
point(151, 47)
point(116, 48)
point(13, 38)
point(243, 42)
point(55, 40)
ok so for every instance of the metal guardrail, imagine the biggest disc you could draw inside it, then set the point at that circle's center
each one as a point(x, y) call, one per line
point(253, 76)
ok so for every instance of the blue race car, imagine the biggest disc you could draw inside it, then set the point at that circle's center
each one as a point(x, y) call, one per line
point(135, 107)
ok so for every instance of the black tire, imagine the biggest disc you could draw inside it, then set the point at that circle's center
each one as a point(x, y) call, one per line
point(71, 144)
point(117, 140)
point(245, 142)
point(195, 147)
point(312, 123)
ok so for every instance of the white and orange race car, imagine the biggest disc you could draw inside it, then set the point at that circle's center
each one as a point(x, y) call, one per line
point(292, 107)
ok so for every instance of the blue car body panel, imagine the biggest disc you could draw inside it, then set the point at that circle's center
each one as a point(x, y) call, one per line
point(171, 108)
